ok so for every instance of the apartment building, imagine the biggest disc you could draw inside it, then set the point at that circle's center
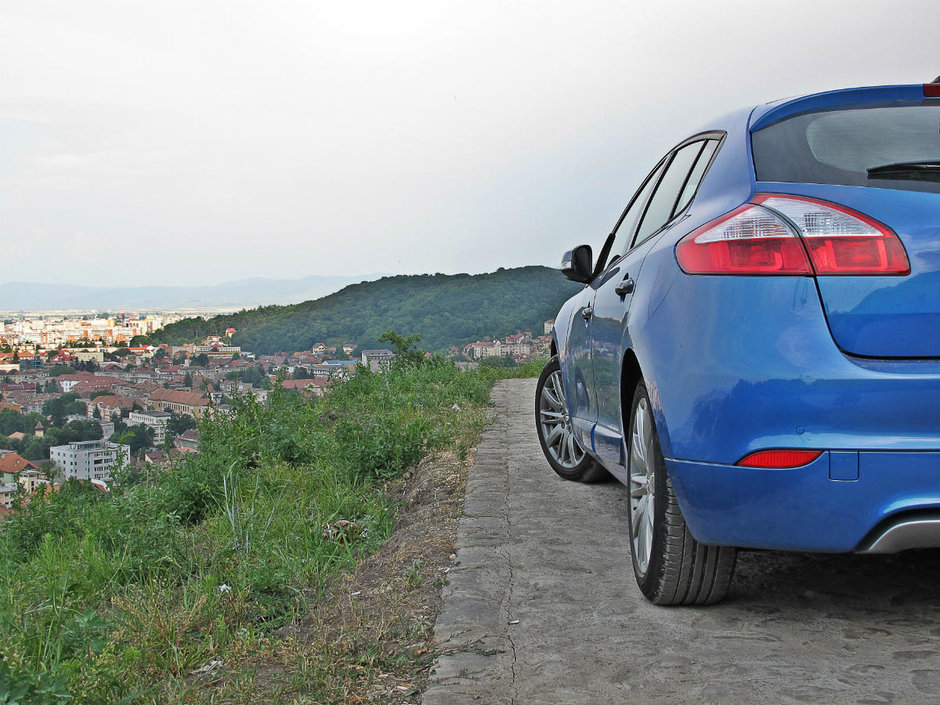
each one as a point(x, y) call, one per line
point(89, 460)
point(157, 420)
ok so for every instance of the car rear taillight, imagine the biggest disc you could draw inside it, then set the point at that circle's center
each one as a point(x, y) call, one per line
point(793, 235)
point(781, 458)
point(748, 240)
point(840, 240)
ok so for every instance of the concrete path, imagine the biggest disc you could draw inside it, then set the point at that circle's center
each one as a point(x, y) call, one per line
point(541, 606)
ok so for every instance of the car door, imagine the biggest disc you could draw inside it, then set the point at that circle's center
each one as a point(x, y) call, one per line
point(579, 374)
point(673, 191)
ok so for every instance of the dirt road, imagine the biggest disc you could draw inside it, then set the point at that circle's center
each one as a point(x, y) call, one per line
point(542, 608)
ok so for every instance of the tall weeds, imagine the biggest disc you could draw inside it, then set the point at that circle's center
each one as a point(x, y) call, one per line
point(124, 595)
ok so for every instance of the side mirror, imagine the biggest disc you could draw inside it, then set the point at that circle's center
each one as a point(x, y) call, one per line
point(576, 264)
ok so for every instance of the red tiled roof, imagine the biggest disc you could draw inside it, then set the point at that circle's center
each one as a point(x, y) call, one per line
point(113, 400)
point(14, 462)
point(172, 396)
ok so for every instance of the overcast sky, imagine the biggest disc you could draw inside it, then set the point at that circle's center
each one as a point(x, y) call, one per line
point(201, 142)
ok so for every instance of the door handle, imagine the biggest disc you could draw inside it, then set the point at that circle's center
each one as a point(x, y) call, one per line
point(587, 312)
point(625, 287)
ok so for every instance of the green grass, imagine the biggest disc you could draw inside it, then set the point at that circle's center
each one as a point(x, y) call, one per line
point(123, 596)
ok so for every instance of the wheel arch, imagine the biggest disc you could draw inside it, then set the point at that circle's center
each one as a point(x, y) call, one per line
point(631, 374)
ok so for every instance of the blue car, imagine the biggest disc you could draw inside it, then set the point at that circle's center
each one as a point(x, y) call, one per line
point(756, 352)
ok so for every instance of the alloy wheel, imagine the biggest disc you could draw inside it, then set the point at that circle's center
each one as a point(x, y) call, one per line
point(555, 424)
point(642, 484)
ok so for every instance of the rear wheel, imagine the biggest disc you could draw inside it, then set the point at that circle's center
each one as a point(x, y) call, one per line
point(556, 434)
point(670, 566)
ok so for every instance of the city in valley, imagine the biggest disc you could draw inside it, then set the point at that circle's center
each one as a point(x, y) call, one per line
point(86, 395)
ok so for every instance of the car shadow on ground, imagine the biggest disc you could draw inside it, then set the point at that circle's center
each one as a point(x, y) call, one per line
point(850, 581)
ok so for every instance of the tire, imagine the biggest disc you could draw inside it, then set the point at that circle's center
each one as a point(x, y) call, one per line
point(556, 435)
point(670, 566)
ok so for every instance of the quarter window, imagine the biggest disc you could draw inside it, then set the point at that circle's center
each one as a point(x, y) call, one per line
point(662, 204)
point(695, 177)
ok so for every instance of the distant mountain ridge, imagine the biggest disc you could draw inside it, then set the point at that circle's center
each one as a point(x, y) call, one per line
point(446, 310)
point(244, 293)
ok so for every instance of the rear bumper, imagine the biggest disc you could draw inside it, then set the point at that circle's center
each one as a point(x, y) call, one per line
point(879, 501)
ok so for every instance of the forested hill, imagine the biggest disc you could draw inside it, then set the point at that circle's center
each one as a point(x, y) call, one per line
point(447, 310)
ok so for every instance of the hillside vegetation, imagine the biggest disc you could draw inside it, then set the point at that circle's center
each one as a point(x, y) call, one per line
point(446, 310)
point(170, 588)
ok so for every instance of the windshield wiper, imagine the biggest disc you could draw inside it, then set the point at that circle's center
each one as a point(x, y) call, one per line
point(915, 171)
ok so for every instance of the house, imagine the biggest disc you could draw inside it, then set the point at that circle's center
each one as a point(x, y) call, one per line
point(15, 472)
point(12, 464)
point(188, 441)
point(157, 420)
point(482, 349)
point(377, 359)
point(87, 387)
point(189, 403)
point(7, 494)
point(89, 355)
point(66, 382)
point(314, 387)
point(160, 458)
point(108, 405)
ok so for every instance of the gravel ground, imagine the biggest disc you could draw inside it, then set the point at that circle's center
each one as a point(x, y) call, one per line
point(541, 606)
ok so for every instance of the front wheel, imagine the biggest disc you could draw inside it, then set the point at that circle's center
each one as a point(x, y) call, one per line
point(555, 432)
point(670, 566)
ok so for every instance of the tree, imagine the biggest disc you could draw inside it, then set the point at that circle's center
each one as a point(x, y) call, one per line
point(139, 438)
point(62, 406)
point(403, 349)
point(187, 380)
point(119, 427)
point(201, 359)
point(179, 423)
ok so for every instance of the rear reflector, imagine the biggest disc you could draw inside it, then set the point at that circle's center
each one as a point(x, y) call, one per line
point(793, 235)
point(780, 458)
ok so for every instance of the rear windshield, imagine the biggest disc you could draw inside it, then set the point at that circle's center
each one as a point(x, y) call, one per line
point(840, 146)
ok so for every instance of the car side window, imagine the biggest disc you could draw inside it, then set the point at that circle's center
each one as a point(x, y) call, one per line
point(631, 217)
point(695, 176)
point(661, 205)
